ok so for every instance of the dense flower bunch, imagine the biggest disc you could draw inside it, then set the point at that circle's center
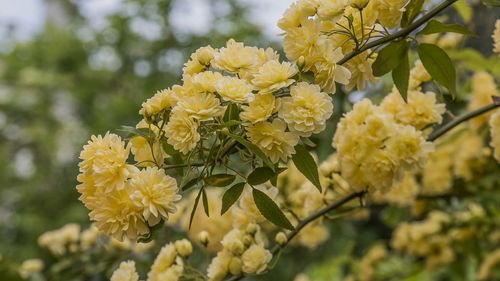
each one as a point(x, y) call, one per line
point(123, 199)
point(319, 32)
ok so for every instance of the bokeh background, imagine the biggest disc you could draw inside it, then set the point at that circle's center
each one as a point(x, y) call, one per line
point(70, 69)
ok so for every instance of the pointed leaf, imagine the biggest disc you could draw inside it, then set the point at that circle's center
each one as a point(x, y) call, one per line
point(401, 76)
point(231, 196)
point(232, 113)
point(219, 180)
point(195, 206)
point(439, 66)
point(306, 165)
point(411, 11)
point(389, 57)
point(205, 202)
point(435, 26)
point(260, 175)
point(268, 208)
point(191, 183)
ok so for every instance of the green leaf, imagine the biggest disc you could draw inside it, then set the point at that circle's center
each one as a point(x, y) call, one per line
point(195, 206)
point(435, 26)
point(270, 210)
point(232, 113)
point(219, 180)
point(306, 165)
point(389, 57)
point(260, 175)
point(494, 3)
point(253, 148)
point(411, 11)
point(401, 76)
point(205, 202)
point(190, 184)
point(439, 66)
point(464, 9)
point(130, 132)
point(231, 196)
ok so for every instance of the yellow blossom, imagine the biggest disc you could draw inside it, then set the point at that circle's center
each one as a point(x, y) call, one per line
point(163, 99)
point(361, 71)
point(163, 262)
point(483, 87)
point(155, 193)
point(273, 140)
point(255, 259)
point(29, 267)
point(495, 133)
point(201, 106)
point(206, 81)
point(306, 110)
point(235, 56)
point(182, 132)
point(234, 89)
point(496, 37)
point(259, 109)
point(126, 272)
point(274, 75)
point(326, 69)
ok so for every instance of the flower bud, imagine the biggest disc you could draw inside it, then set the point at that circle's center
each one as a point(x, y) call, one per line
point(184, 247)
point(247, 240)
point(281, 238)
point(359, 4)
point(252, 229)
point(203, 238)
point(235, 266)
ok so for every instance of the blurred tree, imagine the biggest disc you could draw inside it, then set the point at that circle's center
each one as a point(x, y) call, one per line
point(79, 77)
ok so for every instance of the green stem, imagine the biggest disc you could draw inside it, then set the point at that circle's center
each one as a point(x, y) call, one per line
point(455, 122)
point(401, 33)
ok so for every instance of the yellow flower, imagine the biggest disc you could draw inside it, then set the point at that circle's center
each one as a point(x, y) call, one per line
point(182, 132)
point(201, 106)
point(326, 70)
point(155, 193)
point(496, 37)
point(184, 247)
point(234, 89)
point(490, 262)
point(104, 158)
point(126, 272)
point(199, 61)
point(483, 87)
point(307, 110)
point(301, 42)
point(255, 259)
point(235, 56)
point(495, 134)
point(420, 110)
point(28, 267)
point(259, 109)
point(144, 153)
point(273, 140)
point(163, 99)
point(274, 75)
point(219, 266)
point(206, 81)
point(361, 71)
point(418, 75)
point(331, 10)
point(164, 265)
point(296, 13)
point(389, 11)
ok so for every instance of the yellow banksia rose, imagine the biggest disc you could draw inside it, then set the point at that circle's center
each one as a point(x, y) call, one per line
point(125, 272)
point(306, 110)
point(146, 154)
point(234, 89)
point(273, 140)
point(163, 99)
point(219, 266)
point(29, 267)
point(255, 259)
point(104, 159)
point(296, 13)
point(361, 71)
point(496, 37)
point(420, 110)
point(389, 11)
point(235, 56)
point(274, 75)
point(495, 134)
point(117, 215)
point(259, 109)
point(302, 42)
point(165, 264)
point(418, 75)
point(326, 69)
point(201, 106)
point(331, 10)
point(182, 132)
point(199, 61)
point(483, 88)
point(155, 193)
point(205, 82)
point(488, 265)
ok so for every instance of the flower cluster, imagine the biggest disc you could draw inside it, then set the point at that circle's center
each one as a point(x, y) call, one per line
point(123, 199)
point(243, 251)
point(319, 32)
point(168, 265)
point(249, 82)
point(375, 150)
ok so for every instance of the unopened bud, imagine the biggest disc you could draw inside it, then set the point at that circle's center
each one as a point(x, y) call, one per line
point(235, 266)
point(281, 238)
point(252, 229)
point(203, 238)
point(184, 247)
